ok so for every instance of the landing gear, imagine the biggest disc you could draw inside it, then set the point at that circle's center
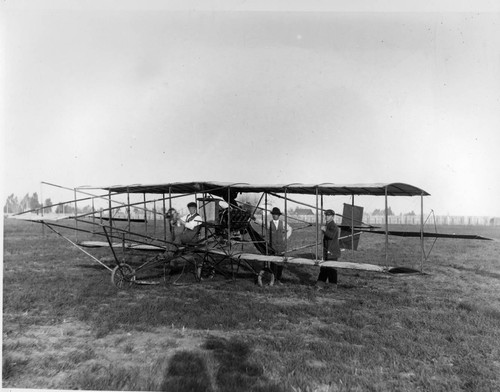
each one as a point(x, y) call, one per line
point(205, 270)
point(265, 277)
point(123, 276)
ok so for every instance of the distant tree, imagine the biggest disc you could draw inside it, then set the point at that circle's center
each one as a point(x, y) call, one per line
point(33, 202)
point(25, 202)
point(86, 209)
point(65, 208)
point(47, 203)
point(382, 212)
point(12, 205)
point(412, 213)
point(59, 209)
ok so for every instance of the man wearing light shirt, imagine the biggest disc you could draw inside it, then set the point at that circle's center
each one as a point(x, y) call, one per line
point(192, 225)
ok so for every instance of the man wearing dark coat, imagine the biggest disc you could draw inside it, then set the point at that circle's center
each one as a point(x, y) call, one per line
point(331, 249)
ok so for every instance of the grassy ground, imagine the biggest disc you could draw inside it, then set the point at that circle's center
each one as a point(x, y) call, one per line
point(65, 326)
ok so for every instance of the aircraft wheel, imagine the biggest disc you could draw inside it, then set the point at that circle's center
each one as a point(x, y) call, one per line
point(206, 269)
point(122, 276)
point(265, 277)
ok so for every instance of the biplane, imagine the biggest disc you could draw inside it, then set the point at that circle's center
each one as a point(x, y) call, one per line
point(232, 233)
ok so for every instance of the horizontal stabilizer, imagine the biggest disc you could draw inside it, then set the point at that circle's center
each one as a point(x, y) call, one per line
point(32, 217)
point(106, 218)
point(129, 246)
point(428, 234)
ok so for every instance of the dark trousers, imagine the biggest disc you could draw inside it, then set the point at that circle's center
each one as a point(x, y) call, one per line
point(277, 270)
point(329, 273)
point(189, 237)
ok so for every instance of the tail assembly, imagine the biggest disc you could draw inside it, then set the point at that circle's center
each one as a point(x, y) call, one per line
point(352, 219)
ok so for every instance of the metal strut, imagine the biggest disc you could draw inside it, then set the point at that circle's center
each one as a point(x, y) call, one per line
point(76, 246)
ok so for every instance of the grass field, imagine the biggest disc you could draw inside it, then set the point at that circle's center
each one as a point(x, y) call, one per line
point(66, 327)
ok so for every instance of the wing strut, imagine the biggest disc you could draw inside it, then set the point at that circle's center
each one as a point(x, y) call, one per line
point(78, 247)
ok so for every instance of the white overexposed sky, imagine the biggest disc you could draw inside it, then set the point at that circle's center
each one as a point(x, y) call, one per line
point(103, 93)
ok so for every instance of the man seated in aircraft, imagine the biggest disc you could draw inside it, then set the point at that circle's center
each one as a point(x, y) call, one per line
point(331, 251)
point(192, 225)
point(176, 236)
point(277, 239)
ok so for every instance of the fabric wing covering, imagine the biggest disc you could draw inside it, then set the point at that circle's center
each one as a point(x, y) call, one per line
point(221, 188)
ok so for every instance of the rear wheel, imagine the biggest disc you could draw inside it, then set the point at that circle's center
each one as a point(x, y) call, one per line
point(265, 278)
point(206, 269)
point(123, 276)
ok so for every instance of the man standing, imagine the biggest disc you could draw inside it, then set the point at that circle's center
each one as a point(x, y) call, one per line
point(331, 249)
point(192, 225)
point(277, 240)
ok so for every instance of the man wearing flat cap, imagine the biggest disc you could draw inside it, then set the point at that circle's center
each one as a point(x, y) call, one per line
point(277, 239)
point(192, 225)
point(331, 249)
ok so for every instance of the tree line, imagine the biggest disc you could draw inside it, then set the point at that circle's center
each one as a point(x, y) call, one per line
point(13, 205)
point(31, 202)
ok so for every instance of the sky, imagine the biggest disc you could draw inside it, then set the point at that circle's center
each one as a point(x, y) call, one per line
point(108, 93)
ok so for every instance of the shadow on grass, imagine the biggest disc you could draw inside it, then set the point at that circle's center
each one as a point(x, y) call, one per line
point(187, 372)
point(236, 372)
point(12, 366)
point(305, 276)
